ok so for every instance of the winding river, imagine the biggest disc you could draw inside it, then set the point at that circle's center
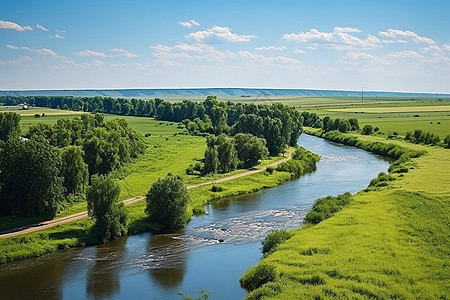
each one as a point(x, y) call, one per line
point(210, 254)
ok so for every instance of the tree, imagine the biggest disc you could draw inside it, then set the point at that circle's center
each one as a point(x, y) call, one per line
point(9, 125)
point(211, 161)
point(30, 185)
point(166, 203)
point(103, 206)
point(367, 130)
point(74, 170)
point(250, 149)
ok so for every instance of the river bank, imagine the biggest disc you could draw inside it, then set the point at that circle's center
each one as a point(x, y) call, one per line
point(64, 235)
point(390, 242)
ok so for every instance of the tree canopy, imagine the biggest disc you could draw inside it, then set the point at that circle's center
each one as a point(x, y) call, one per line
point(103, 206)
point(166, 203)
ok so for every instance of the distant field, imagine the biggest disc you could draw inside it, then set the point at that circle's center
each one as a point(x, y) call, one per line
point(433, 116)
point(28, 116)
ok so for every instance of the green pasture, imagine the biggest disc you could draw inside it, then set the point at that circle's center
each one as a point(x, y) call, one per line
point(389, 243)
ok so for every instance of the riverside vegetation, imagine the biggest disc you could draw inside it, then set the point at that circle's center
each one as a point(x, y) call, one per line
point(81, 136)
point(387, 241)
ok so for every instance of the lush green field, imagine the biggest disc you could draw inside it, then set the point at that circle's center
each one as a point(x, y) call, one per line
point(433, 116)
point(389, 243)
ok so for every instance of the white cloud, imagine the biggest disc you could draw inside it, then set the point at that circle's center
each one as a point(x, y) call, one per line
point(446, 47)
point(223, 33)
point(18, 61)
point(41, 27)
point(189, 24)
point(123, 52)
point(11, 47)
point(42, 51)
point(300, 51)
point(270, 48)
point(58, 36)
point(91, 53)
point(339, 39)
point(404, 54)
point(312, 34)
point(60, 31)
point(346, 29)
point(394, 33)
point(13, 26)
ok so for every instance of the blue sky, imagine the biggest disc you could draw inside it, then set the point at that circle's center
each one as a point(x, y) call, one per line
point(381, 45)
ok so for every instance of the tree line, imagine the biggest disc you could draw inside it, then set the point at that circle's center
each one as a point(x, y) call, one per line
point(52, 166)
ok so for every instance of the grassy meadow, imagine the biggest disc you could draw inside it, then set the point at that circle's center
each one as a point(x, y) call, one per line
point(391, 242)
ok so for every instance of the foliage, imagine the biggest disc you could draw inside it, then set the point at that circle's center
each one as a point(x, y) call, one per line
point(447, 142)
point(74, 170)
point(274, 238)
point(30, 184)
point(103, 206)
point(250, 149)
point(9, 125)
point(167, 200)
point(420, 136)
point(257, 276)
point(325, 208)
point(367, 130)
point(203, 296)
point(302, 161)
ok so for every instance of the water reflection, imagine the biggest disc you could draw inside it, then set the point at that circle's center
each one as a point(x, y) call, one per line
point(166, 258)
point(41, 276)
point(103, 279)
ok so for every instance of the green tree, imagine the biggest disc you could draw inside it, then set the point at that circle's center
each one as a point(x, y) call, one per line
point(103, 206)
point(74, 170)
point(30, 185)
point(9, 125)
point(250, 149)
point(367, 130)
point(166, 203)
point(211, 162)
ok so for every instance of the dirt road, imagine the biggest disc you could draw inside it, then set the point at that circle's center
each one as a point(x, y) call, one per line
point(81, 215)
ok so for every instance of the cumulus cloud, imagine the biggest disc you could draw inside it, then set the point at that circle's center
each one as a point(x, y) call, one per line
point(346, 29)
point(11, 47)
point(91, 53)
point(274, 48)
point(40, 27)
point(396, 33)
point(123, 52)
point(339, 39)
point(13, 26)
point(222, 33)
point(42, 51)
point(404, 54)
point(446, 47)
point(189, 24)
point(58, 36)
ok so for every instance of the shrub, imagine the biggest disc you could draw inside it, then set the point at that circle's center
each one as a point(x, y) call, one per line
point(216, 188)
point(270, 170)
point(257, 276)
point(367, 130)
point(275, 238)
point(326, 207)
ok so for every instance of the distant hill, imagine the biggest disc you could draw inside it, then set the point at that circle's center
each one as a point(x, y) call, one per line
point(203, 92)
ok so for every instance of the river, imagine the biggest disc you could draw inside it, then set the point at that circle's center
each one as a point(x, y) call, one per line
point(211, 253)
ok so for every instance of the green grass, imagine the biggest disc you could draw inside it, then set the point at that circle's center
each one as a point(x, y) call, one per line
point(388, 243)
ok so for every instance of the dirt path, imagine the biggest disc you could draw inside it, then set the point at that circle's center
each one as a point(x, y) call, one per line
point(84, 214)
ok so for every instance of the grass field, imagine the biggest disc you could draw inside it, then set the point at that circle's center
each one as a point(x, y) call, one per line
point(389, 243)
point(433, 116)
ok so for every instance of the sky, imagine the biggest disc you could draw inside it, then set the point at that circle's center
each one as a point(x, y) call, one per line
point(393, 45)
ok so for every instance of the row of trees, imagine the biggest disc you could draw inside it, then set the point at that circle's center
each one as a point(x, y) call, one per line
point(39, 175)
point(280, 125)
point(225, 154)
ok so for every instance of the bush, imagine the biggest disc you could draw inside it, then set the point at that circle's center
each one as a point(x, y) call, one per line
point(270, 170)
point(257, 276)
point(367, 130)
point(275, 238)
point(216, 188)
point(326, 207)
